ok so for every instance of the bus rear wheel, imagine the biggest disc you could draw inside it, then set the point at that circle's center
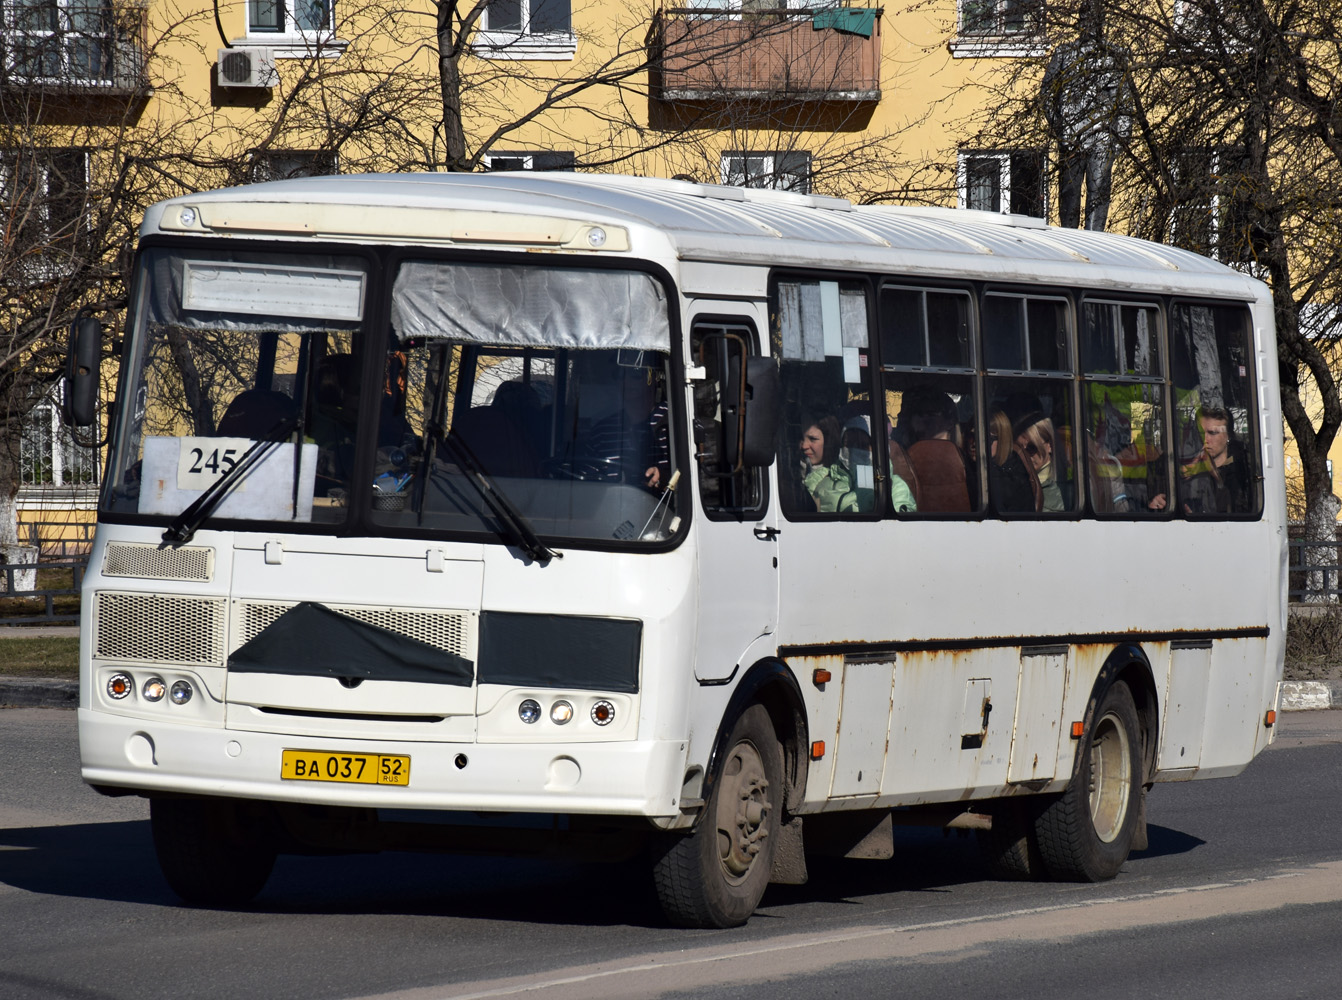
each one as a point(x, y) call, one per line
point(716, 876)
point(1085, 834)
point(213, 852)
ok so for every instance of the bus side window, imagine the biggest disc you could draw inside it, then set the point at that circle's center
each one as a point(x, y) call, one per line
point(927, 360)
point(1216, 438)
point(826, 460)
point(717, 348)
point(1028, 358)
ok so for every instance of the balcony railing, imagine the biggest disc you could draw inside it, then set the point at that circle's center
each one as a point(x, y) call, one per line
point(768, 55)
point(73, 47)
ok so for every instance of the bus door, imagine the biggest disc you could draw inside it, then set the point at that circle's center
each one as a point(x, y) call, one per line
point(738, 528)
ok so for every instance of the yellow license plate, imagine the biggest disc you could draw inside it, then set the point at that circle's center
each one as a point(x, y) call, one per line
point(356, 768)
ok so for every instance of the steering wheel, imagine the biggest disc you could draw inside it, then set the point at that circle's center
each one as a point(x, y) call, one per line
point(587, 469)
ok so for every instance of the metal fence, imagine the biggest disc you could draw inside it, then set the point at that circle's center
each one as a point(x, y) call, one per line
point(39, 605)
point(1314, 583)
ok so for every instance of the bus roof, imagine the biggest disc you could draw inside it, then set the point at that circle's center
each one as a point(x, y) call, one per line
point(731, 224)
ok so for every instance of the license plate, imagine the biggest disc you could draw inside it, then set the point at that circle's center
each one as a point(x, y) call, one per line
point(355, 768)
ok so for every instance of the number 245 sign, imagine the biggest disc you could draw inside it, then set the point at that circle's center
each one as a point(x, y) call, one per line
point(202, 460)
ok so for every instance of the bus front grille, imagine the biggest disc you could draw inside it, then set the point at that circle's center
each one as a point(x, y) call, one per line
point(159, 627)
point(450, 631)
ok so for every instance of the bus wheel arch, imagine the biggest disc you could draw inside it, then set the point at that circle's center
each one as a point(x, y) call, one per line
point(715, 875)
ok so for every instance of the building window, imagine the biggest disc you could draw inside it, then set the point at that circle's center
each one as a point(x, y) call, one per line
point(526, 29)
point(529, 160)
point(1001, 17)
point(1209, 204)
point(44, 193)
point(48, 454)
point(781, 171)
point(1003, 182)
point(58, 40)
point(282, 164)
point(289, 17)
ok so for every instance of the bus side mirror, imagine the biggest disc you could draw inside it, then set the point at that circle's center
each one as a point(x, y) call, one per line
point(750, 413)
point(81, 371)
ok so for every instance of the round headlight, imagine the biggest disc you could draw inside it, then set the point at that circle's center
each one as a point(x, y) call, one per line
point(529, 711)
point(181, 692)
point(119, 685)
point(561, 712)
point(596, 237)
point(187, 217)
point(154, 689)
point(603, 712)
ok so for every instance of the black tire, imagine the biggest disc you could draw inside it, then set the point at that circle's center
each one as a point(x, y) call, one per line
point(1085, 834)
point(1010, 848)
point(213, 852)
point(716, 875)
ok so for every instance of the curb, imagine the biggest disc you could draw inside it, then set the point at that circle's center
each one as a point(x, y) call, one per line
point(1305, 695)
point(38, 692)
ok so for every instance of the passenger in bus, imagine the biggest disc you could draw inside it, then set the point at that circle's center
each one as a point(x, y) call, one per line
point(1012, 482)
point(826, 481)
point(1218, 480)
point(1035, 438)
point(633, 444)
point(935, 451)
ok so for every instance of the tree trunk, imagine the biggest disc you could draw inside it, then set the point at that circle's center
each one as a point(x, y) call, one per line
point(1320, 548)
point(449, 85)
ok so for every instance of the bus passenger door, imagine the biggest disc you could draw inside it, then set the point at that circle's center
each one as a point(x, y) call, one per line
point(737, 526)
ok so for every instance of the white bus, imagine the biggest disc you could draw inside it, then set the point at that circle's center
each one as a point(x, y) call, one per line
point(639, 518)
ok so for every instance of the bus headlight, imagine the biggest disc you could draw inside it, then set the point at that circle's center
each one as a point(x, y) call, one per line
point(181, 692)
point(603, 712)
point(529, 711)
point(154, 689)
point(119, 685)
point(561, 712)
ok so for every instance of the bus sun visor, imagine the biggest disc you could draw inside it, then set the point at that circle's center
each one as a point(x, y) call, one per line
point(310, 640)
point(523, 306)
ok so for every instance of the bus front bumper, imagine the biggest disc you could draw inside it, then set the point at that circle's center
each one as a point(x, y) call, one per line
point(625, 778)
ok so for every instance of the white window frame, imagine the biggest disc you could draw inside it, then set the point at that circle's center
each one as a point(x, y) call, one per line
point(769, 168)
point(294, 42)
point(1003, 158)
point(44, 429)
point(555, 46)
point(1029, 42)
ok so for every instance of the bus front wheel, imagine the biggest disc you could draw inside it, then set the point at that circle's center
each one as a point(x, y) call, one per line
point(1085, 834)
point(213, 852)
point(716, 876)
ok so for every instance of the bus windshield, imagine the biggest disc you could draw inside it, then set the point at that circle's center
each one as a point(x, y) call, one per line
point(511, 401)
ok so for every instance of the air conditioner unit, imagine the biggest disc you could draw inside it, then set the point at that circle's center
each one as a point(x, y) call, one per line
point(247, 68)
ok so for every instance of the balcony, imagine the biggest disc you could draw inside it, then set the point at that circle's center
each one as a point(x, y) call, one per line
point(74, 49)
point(768, 55)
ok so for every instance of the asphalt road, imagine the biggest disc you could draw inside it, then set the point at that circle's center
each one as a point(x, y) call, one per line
point(1239, 895)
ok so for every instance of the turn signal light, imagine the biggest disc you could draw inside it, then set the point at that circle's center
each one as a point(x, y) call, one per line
point(817, 749)
point(820, 677)
point(1271, 718)
point(603, 712)
point(1078, 730)
point(119, 685)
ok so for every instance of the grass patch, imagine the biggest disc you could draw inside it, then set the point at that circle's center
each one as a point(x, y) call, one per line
point(46, 656)
point(1314, 644)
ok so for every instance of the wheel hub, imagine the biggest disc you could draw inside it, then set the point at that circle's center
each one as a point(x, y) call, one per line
point(743, 811)
point(1110, 778)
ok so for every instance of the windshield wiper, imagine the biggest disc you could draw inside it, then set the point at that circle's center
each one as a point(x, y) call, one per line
point(516, 526)
point(184, 525)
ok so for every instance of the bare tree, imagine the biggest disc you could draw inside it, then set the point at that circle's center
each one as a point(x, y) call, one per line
point(1230, 145)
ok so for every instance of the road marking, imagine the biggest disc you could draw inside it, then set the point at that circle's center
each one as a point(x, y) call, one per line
point(649, 975)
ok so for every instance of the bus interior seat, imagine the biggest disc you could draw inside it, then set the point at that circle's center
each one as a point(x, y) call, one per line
point(498, 440)
point(254, 413)
point(940, 469)
point(903, 468)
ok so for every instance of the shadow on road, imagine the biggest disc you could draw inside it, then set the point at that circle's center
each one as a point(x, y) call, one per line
point(115, 861)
